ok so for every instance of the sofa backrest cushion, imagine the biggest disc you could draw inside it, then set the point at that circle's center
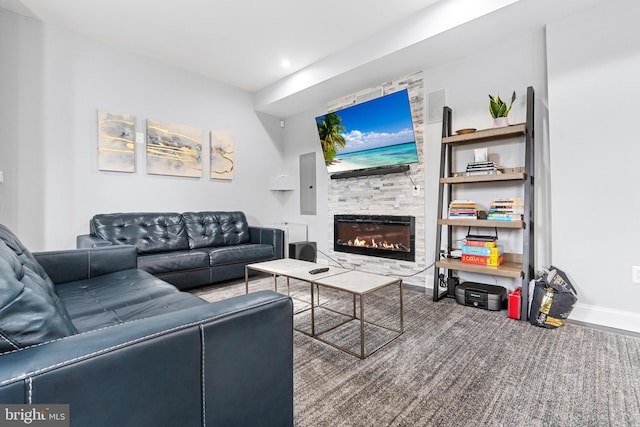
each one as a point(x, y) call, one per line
point(210, 229)
point(30, 310)
point(149, 232)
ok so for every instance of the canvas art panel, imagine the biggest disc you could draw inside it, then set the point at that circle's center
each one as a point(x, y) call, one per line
point(222, 155)
point(173, 149)
point(116, 142)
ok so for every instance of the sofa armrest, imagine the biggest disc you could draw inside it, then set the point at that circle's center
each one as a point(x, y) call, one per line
point(78, 264)
point(271, 236)
point(224, 363)
point(91, 241)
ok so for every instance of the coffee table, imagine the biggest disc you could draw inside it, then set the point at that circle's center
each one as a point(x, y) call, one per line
point(359, 284)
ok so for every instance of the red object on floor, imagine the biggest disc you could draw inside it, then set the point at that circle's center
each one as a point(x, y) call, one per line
point(514, 303)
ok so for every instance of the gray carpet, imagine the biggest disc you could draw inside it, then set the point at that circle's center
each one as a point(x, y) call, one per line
point(458, 366)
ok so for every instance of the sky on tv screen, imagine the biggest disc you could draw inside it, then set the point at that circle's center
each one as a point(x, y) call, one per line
point(378, 123)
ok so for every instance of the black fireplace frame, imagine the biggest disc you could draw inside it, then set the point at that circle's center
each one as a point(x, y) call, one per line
point(409, 221)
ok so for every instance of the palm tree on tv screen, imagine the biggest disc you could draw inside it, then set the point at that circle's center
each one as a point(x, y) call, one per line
point(329, 128)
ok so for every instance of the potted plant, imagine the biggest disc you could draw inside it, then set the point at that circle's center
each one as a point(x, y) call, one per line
point(499, 109)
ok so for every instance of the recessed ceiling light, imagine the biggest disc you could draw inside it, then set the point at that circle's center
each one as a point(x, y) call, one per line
point(285, 63)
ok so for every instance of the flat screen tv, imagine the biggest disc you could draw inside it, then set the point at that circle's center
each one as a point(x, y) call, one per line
point(373, 134)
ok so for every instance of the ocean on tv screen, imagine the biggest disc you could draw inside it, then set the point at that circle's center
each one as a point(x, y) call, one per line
point(376, 157)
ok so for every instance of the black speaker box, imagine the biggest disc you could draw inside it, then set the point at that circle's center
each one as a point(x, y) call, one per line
point(305, 251)
point(481, 295)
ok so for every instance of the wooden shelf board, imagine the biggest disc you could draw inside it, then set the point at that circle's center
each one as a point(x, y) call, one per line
point(481, 223)
point(507, 269)
point(509, 176)
point(487, 134)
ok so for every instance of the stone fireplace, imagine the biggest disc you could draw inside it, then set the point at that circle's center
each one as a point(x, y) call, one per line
point(385, 236)
point(392, 194)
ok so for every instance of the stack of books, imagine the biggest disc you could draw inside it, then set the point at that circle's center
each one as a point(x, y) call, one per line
point(486, 167)
point(482, 250)
point(509, 209)
point(463, 209)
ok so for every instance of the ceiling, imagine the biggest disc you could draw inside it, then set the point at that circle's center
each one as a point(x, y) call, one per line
point(239, 42)
point(333, 46)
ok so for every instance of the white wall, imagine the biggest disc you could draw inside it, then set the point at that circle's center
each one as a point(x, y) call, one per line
point(21, 117)
point(52, 138)
point(300, 137)
point(594, 96)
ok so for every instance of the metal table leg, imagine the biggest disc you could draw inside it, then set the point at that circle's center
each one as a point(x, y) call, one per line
point(361, 323)
point(313, 315)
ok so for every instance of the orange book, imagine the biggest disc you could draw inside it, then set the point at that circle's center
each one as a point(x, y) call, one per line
point(493, 261)
point(481, 243)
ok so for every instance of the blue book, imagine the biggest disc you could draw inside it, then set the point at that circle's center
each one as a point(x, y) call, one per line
point(482, 250)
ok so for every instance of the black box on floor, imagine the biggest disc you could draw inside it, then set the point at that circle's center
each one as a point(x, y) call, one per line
point(481, 295)
point(305, 251)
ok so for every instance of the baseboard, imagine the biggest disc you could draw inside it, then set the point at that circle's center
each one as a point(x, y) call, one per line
point(610, 318)
point(414, 288)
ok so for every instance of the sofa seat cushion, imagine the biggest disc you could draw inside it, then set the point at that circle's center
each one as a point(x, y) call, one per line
point(154, 307)
point(159, 263)
point(251, 252)
point(120, 297)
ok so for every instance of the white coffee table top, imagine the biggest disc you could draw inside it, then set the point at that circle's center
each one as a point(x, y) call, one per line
point(281, 266)
point(296, 269)
point(357, 282)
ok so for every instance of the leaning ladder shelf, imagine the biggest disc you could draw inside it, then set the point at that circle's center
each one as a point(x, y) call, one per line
point(515, 265)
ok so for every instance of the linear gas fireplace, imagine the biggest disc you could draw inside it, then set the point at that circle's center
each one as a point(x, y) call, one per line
point(386, 236)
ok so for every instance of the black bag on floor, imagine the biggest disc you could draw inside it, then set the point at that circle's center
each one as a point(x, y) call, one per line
point(553, 299)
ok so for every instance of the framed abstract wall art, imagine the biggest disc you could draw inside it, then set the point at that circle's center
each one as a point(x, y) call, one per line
point(116, 142)
point(222, 155)
point(173, 149)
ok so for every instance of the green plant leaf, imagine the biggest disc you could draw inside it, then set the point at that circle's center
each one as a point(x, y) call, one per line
point(493, 109)
point(497, 107)
point(513, 98)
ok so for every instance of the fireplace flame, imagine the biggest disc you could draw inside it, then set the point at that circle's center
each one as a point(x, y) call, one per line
point(362, 243)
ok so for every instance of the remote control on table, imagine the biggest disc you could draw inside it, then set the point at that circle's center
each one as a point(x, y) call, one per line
point(318, 270)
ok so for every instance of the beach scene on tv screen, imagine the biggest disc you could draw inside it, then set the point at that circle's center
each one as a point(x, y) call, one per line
point(371, 134)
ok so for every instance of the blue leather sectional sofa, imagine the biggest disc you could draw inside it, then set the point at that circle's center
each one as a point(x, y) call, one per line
point(187, 249)
point(85, 327)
